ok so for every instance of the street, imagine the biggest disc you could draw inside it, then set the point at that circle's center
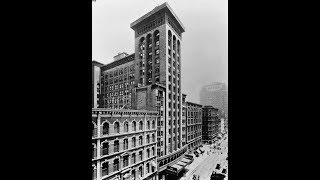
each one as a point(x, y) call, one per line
point(205, 164)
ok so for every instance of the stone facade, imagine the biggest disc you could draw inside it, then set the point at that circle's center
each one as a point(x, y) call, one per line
point(124, 144)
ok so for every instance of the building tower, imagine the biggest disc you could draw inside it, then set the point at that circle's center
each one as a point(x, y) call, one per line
point(158, 37)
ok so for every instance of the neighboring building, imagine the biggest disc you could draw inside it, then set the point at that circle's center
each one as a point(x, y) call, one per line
point(96, 83)
point(124, 144)
point(216, 95)
point(117, 81)
point(210, 124)
point(194, 125)
point(150, 79)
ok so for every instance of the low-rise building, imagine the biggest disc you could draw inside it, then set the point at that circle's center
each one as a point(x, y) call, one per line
point(124, 144)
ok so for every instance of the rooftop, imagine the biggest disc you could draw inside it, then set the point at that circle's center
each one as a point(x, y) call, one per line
point(165, 6)
point(96, 63)
point(118, 62)
point(188, 102)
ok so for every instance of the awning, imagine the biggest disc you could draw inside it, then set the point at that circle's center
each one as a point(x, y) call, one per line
point(186, 160)
point(181, 163)
point(174, 169)
point(177, 167)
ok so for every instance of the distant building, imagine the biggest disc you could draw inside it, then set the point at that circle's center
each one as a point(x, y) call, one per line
point(210, 124)
point(216, 95)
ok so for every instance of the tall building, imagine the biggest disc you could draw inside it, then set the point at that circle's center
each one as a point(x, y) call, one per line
point(210, 124)
point(150, 79)
point(194, 125)
point(158, 39)
point(216, 95)
point(124, 144)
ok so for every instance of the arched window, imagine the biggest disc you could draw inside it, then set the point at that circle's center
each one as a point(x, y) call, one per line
point(126, 127)
point(148, 167)
point(116, 127)
point(174, 43)
point(140, 171)
point(105, 128)
point(148, 153)
point(148, 139)
point(134, 142)
point(105, 168)
point(169, 38)
point(153, 124)
point(134, 126)
point(125, 144)
point(94, 129)
point(141, 47)
point(140, 125)
point(148, 124)
point(156, 36)
point(178, 47)
point(116, 146)
point(115, 165)
point(140, 155)
point(126, 161)
point(153, 151)
point(149, 41)
point(105, 148)
point(140, 140)
point(94, 153)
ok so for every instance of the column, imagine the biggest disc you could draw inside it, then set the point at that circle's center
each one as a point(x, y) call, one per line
point(98, 170)
point(98, 126)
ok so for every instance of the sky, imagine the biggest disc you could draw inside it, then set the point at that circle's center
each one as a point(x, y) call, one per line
point(204, 49)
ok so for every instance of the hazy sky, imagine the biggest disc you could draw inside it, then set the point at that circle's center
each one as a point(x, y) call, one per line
point(204, 51)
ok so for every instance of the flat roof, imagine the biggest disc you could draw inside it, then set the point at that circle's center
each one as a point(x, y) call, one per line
point(164, 6)
point(123, 110)
point(119, 62)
